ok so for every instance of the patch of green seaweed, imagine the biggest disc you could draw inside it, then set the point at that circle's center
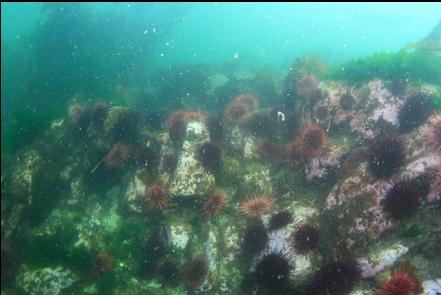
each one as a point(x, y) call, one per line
point(414, 66)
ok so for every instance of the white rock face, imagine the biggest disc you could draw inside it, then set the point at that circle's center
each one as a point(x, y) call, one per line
point(190, 178)
point(211, 251)
point(134, 193)
point(179, 235)
point(232, 244)
point(432, 287)
point(379, 260)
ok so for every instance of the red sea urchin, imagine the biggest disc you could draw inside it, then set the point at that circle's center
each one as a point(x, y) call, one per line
point(385, 155)
point(311, 141)
point(337, 277)
point(256, 206)
point(102, 264)
point(268, 150)
point(195, 272)
point(347, 101)
point(434, 133)
point(118, 155)
point(240, 109)
point(308, 87)
point(402, 282)
point(305, 238)
point(157, 197)
point(213, 205)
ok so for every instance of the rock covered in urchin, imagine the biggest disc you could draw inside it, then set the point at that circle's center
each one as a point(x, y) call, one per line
point(355, 201)
point(280, 240)
point(357, 198)
point(190, 177)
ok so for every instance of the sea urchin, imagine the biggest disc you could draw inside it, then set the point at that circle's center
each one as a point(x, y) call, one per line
point(336, 277)
point(415, 111)
point(118, 155)
point(402, 282)
point(311, 141)
point(305, 238)
point(403, 199)
point(273, 272)
point(385, 155)
point(255, 237)
point(157, 197)
point(279, 220)
point(213, 205)
point(195, 272)
point(256, 206)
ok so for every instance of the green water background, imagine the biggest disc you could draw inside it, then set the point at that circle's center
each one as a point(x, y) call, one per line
point(52, 53)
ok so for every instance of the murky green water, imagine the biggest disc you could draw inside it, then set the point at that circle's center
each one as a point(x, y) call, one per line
point(160, 148)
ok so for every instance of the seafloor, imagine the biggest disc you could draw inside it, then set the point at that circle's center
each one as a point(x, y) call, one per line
point(254, 184)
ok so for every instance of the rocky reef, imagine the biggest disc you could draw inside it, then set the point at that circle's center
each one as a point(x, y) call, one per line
point(262, 186)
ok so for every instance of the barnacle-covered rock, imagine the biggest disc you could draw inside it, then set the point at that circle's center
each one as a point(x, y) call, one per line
point(134, 196)
point(380, 258)
point(320, 167)
point(190, 177)
point(356, 199)
point(46, 281)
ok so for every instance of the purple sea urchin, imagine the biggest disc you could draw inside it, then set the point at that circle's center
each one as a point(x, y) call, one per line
point(415, 111)
point(336, 277)
point(279, 220)
point(255, 238)
point(305, 238)
point(273, 272)
point(385, 155)
point(403, 199)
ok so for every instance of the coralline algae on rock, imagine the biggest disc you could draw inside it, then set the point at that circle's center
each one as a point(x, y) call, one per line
point(379, 104)
point(379, 260)
point(321, 166)
point(46, 281)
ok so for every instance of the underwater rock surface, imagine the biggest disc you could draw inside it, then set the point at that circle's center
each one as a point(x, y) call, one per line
point(190, 177)
point(286, 173)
